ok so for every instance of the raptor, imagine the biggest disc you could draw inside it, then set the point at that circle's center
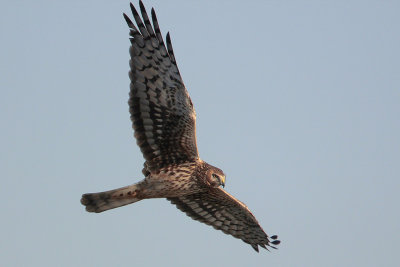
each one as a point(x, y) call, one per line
point(164, 123)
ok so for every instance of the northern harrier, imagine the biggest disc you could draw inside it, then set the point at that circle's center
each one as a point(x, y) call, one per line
point(164, 122)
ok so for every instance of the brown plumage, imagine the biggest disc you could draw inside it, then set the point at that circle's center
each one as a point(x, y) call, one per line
point(164, 123)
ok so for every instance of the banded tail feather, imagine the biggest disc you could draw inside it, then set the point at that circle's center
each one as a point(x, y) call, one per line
point(102, 201)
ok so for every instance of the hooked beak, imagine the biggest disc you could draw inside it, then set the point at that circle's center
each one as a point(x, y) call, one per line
point(222, 181)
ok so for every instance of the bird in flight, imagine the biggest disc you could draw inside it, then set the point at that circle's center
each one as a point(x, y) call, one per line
point(164, 123)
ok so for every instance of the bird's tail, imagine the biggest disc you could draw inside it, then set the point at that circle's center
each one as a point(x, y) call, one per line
point(99, 202)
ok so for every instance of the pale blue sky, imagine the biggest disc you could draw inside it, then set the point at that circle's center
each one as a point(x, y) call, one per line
point(297, 101)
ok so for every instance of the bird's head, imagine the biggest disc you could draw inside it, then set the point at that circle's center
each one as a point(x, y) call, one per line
point(216, 177)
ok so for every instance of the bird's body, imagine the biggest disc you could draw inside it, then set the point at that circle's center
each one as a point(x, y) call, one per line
point(164, 122)
point(168, 182)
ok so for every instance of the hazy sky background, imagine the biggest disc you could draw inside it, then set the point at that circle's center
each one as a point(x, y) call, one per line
point(297, 101)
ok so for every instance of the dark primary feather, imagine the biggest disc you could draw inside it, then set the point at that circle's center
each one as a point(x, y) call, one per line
point(223, 212)
point(162, 113)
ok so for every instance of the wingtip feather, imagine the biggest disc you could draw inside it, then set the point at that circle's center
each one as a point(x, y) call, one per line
point(142, 8)
point(128, 20)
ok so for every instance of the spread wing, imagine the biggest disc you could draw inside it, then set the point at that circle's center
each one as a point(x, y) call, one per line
point(161, 111)
point(224, 212)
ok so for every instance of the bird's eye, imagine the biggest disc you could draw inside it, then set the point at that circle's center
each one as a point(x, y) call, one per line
point(215, 176)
